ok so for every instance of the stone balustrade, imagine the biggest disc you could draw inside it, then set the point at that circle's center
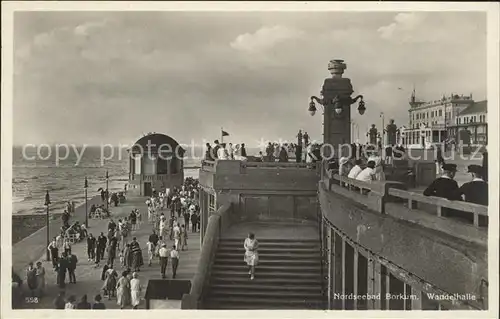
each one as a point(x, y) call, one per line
point(378, 194)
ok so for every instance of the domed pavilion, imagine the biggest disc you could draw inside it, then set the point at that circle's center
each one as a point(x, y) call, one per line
point(156, 163)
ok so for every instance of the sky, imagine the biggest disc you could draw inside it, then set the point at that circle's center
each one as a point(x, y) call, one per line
point(110, 77)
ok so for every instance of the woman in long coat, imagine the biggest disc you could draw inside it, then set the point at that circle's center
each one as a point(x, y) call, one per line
point(136, 255)
point(40, 278)
point(31, 278)
point(123, 291)
point(110, 283)
point(135, 290)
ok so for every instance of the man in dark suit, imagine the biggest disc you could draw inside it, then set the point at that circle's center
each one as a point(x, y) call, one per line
point(444, 186)
point(475, 191)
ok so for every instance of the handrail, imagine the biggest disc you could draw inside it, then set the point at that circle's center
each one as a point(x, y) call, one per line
point(374, 186)
point(475, 209)
point(390, 189)
point(279, 164)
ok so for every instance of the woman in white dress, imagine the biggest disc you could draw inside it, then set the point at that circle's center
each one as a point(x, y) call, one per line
point(251, 255)
point(135, 290)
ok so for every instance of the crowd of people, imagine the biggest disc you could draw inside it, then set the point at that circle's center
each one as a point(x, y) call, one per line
point(475, 191)
point(225, 151)
point(179, 204)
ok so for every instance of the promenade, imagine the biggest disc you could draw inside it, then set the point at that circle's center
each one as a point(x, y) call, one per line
point(35, 245)
point(88, 277)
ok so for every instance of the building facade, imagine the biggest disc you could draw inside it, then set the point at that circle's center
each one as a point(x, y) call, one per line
point(155, 163)
point(471, 125)
point(433, 122)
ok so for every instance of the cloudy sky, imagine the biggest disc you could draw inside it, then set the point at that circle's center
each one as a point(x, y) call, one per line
point(107, 77)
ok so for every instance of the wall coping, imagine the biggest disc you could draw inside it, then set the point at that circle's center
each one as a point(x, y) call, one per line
point(217, 223)
point(230, 166)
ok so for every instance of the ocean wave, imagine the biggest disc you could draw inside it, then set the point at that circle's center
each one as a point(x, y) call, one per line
point(16, 199)
point(19, 181)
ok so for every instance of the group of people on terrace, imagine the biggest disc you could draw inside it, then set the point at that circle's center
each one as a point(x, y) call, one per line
point(474, 191)
point(225, 151)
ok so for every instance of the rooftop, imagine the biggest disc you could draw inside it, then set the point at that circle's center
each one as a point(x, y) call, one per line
point(155, 142)
point(478, 107)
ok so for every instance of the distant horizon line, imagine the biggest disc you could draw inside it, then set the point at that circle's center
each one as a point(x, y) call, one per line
point(96, 146)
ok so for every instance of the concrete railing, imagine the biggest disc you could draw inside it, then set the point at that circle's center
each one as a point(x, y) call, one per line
point(212, 166)
point(377, 194)
point(217, 224)
point(440, 203)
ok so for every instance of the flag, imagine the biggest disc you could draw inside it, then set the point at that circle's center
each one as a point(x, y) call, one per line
point(224, 133)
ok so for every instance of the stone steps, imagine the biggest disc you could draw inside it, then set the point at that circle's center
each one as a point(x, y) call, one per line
point(288, 276)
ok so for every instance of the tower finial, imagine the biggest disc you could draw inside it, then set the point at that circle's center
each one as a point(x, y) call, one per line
point(336, 68)
point(413, 98)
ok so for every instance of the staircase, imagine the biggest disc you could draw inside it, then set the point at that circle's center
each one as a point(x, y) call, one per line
point(288, 276)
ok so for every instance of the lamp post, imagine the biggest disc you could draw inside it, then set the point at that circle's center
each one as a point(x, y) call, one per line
point(47, 203)
point(383, 128)
point(107, 192)
point(85, 186)
point(336, 101)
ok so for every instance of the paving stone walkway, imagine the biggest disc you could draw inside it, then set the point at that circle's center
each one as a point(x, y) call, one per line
point(89, 278)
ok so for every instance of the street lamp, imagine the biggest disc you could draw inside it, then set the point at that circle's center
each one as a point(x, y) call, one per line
point(85, 186)
point(107, 192)
point(47, 203)
point(336, 100)
point(338, 104)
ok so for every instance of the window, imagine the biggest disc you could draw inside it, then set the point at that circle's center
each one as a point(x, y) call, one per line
point(440, 112)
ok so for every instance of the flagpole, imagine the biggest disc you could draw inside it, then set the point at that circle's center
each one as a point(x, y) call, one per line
point(221, 135)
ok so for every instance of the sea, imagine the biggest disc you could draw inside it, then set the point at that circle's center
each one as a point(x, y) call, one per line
point(36, 171)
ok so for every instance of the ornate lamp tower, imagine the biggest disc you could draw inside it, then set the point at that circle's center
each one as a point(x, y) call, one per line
point(392, 131)
point(336, 101)
point(373, 134)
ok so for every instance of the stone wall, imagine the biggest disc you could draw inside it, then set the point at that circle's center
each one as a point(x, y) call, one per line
point(270, 192)
point(25, 225)
point(446, 253)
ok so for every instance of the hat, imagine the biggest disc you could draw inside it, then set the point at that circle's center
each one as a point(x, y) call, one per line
point(450, 167)
point(475, 169)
